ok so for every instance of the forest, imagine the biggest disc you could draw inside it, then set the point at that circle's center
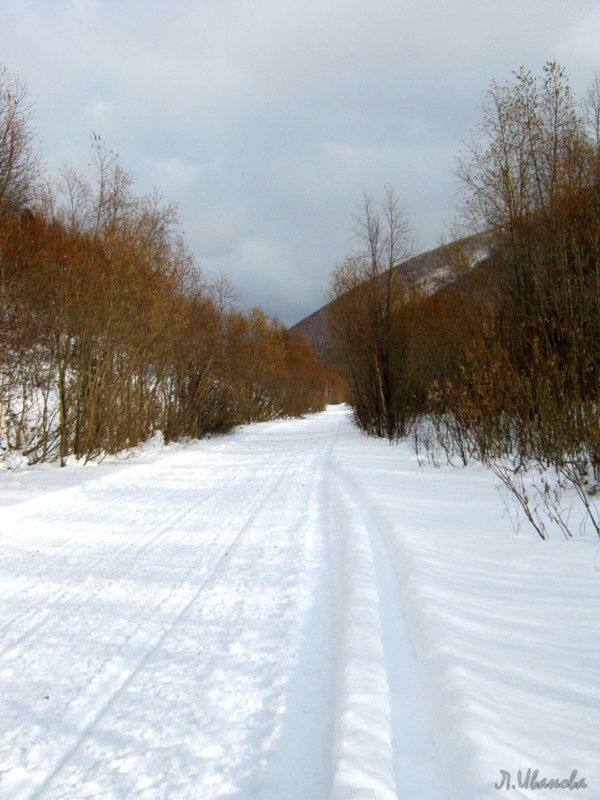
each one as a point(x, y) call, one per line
point(108, 331)
point(501, 365)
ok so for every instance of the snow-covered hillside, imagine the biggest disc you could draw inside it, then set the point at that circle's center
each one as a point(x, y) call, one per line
point(291, 612)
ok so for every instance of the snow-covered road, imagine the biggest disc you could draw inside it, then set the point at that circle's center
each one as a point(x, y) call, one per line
point(230, 620)
point(182, 629)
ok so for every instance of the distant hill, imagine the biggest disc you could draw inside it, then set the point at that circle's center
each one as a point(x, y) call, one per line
point(429, 272)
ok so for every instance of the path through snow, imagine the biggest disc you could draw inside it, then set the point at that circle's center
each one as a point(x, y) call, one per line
point(231, 620)
point(181, 629)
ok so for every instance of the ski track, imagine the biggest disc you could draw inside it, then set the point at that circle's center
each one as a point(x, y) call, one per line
point(225, 550)
point(134, 547)
point(403, 743)
point(222, 623)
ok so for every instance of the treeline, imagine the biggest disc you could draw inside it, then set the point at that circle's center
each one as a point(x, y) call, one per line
point(503, 365)
point(107, 331)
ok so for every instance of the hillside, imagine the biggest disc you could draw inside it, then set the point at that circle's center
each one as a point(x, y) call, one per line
point(428, 271)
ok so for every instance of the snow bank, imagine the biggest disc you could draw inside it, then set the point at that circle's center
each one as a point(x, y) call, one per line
point(505, 627)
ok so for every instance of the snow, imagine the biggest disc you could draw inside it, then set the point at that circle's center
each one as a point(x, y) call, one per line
point(290, 612)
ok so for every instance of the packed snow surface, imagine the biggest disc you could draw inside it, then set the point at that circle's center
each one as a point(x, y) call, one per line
point(291, 612)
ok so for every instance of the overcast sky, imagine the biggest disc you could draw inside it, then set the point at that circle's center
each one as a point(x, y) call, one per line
point(266, 119)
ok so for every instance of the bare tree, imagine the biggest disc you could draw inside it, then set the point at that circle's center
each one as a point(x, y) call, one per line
point(19, 159)
point(114, 198)
point(531, 388)
point(591, 107)
point(370, 317)
point(224, 294)
point(76, 195)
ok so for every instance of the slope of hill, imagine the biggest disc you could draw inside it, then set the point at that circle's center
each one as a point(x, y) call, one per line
point(428, 272)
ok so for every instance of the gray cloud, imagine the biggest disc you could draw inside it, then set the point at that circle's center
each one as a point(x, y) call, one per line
point(266, 119)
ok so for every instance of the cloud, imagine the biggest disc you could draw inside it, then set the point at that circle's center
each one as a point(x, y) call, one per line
point(266, 119)
point(178, 174)
point(99, 114)
point(582, 37)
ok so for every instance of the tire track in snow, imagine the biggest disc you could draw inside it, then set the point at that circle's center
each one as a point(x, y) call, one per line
point(307, 727)
point(47, 514)
point(414, 763)
point(352, 713)
point(136, 546)
point(43, 509)
point(226, 550)
point(362, 740)
point(66, 556)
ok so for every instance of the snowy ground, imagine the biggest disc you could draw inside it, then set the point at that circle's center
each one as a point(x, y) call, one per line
point(292, 612)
